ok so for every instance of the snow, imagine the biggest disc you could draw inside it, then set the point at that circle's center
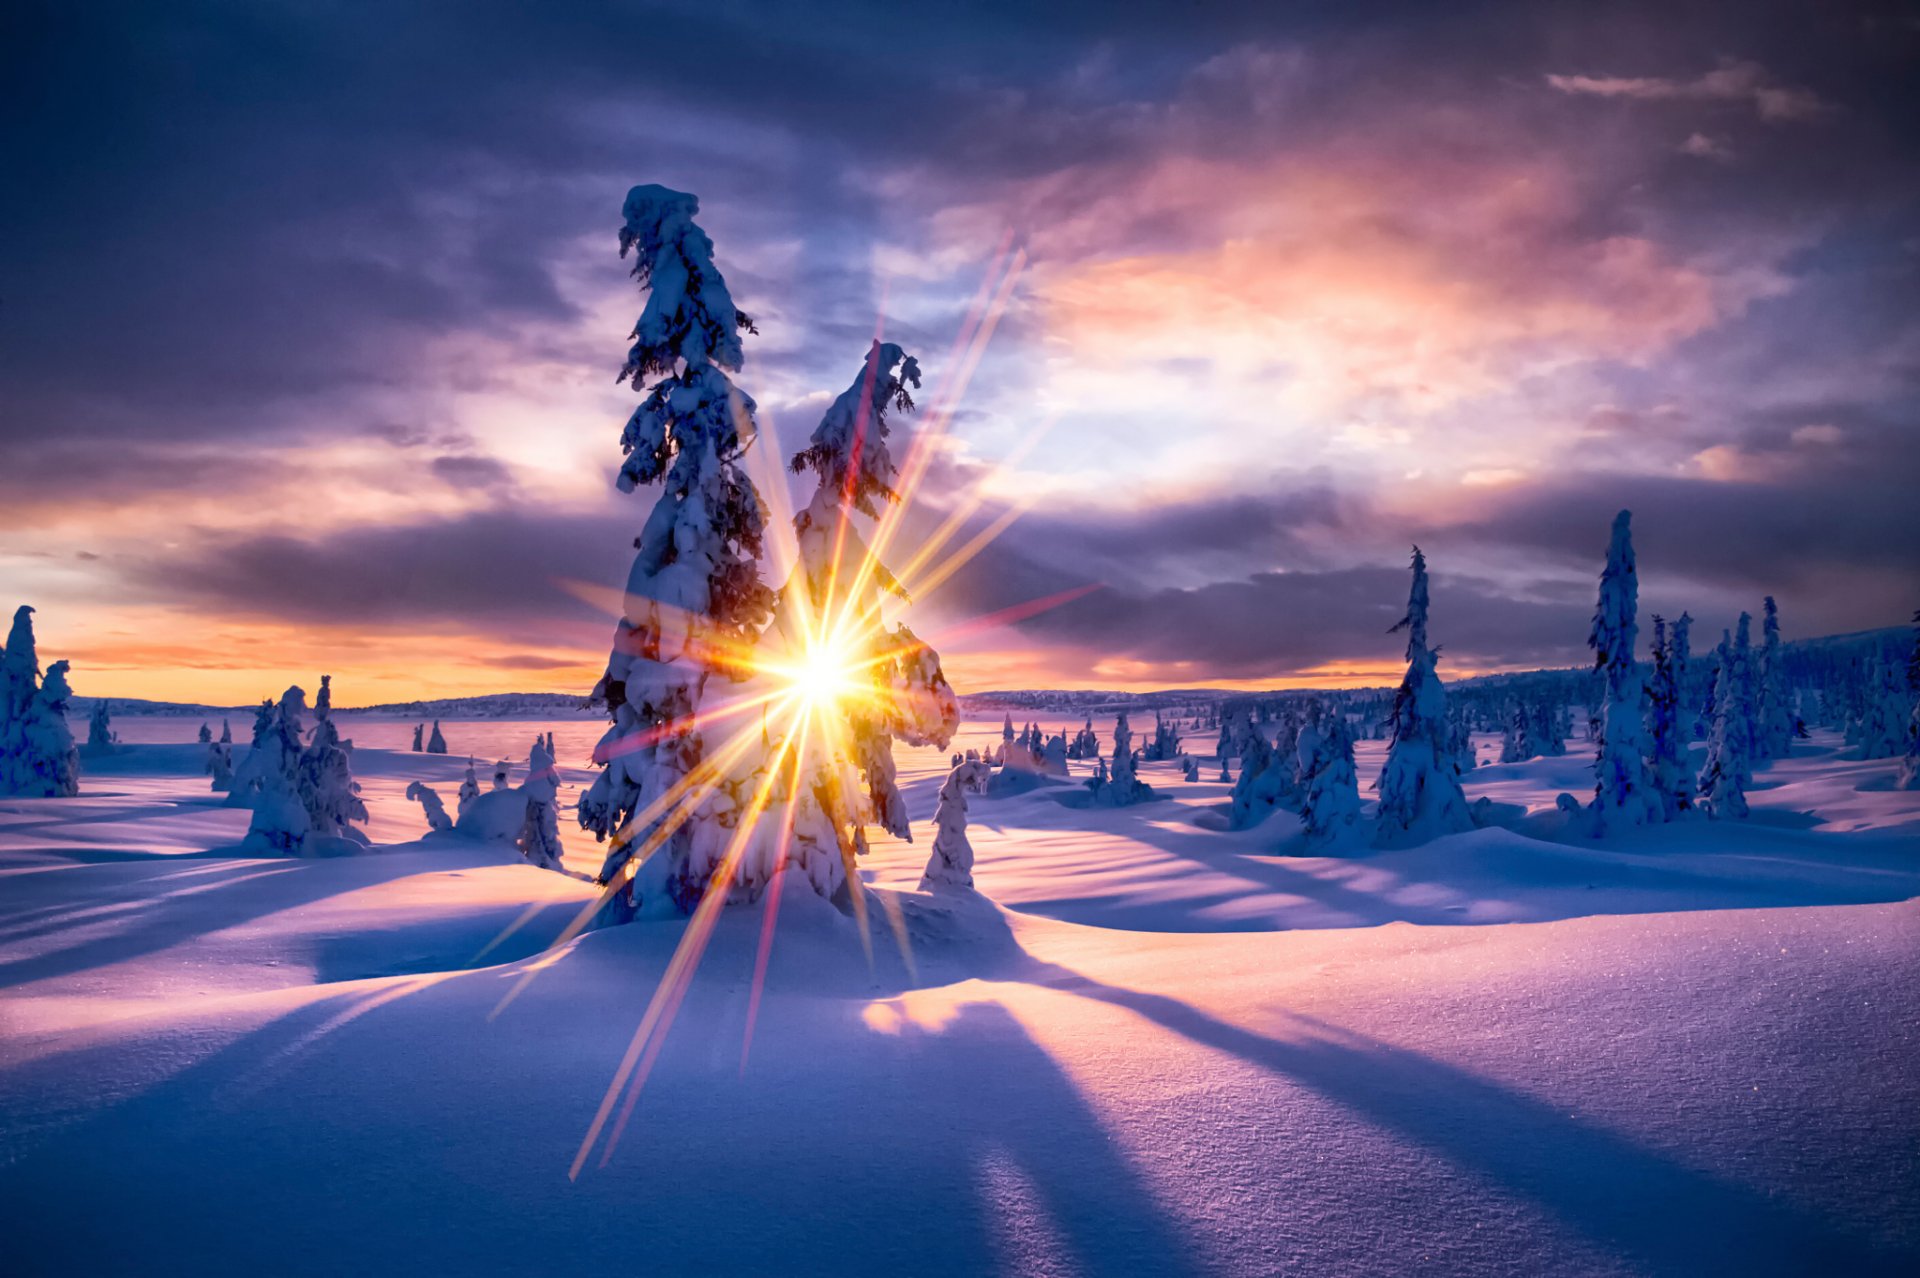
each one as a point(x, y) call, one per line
point(1146, 1046)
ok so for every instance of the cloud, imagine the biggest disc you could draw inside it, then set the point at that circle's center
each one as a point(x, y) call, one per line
point(1743, 82)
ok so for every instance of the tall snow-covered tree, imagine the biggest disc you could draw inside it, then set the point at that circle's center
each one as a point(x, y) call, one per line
point(1420, 795)
point(1775, 712)
point(1330, 807)
point(1666, 747)
point(1729, 764)
point(829, 623)
point(1909, 775)
point(1624, 795)
point(1686, 703)
point(694, 596)
point(436, 744)
point(37, 757)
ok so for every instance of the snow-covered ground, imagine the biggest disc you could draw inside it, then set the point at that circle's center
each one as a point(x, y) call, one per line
point(1160, 1048)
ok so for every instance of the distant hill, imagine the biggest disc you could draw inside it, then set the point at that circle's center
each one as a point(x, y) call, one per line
point(1890, 641)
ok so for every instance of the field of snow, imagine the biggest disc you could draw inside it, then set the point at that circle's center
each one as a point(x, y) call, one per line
point(1152, 1047)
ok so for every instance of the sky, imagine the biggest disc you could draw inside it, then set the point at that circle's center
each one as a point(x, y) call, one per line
point(310, 315)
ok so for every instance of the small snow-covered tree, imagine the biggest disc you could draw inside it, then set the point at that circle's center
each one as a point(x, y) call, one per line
point(469, 789)
point(951, 863)
point(100, 738)
point(1729, 765)
point(539, 839)
point(1086, 744)
point(1166, 740)
point(432, 806)
point(206, 733)
point(419, 730)
point(436, 744)
point(220, 759)
point(1331, 805)
point(1420, 795)
point(693, 597)
point(324, 776)
point(1666, 748)
point(1117, 786)
point(1624, 795)
point(1775, 710)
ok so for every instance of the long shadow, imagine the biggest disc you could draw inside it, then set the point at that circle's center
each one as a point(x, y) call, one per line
point(1665, 1217)
point(166, 923)
point(1642, 870)
point(418, 1129)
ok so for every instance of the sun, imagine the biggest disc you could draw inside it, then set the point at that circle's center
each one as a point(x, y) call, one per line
point(824, 674)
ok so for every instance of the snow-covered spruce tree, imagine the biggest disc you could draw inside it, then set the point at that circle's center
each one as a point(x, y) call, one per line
point(1908, 777)
point(1685, 702)
point(220, 759)
point(469, 790)
point(247, 776)
point(436, 744)
point(1117, 786)
point(951, 863)
point(419, 730)
point(1267, 781)
point(272, 772)
point(50, 753)
point(1776, 717)
point(694, 590)
point(1624, 795)
point(206, 733)
point(1190, 768)
point(1166, 740)
point(898, 688)
point(539, 839)
point(1882, 727)
point(324, 777)
point(1460, 740)
point(1666, 747)
point(1420, 796)
point(100, 729)
point(1729, 765)
point(1330, 806)
point(1086, 744)
point(37, 758)
point(19, 681)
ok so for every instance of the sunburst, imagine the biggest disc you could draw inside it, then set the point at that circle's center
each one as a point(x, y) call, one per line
point(796, 690)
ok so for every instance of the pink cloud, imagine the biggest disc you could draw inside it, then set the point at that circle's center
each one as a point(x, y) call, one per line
point(1731, 82)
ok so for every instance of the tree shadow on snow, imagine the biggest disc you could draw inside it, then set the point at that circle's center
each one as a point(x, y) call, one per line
point(396, 1130)
point(1665, 1217)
